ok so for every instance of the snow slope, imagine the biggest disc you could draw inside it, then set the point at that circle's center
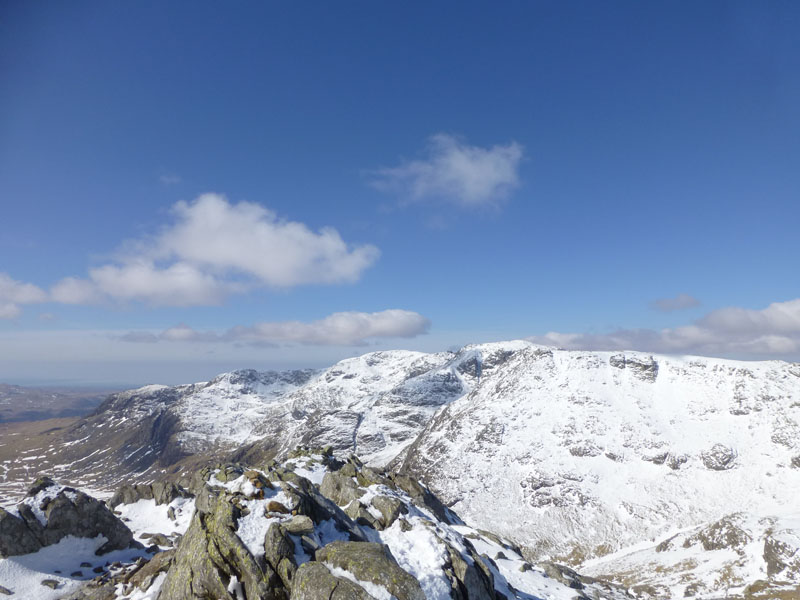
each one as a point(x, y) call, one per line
point(590, 452)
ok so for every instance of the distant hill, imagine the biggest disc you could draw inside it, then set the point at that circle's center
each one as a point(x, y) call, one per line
point(23, 403)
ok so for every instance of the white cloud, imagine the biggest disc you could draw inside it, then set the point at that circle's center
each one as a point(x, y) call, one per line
point(338, 329)
point(455, 171)
point(772, 331)
point(179, 284)
point(72, 290)
point(215, 248)
point(9, 310)
point(184, 333)
point(679, 302)
point(13, 293)
point(249, 239)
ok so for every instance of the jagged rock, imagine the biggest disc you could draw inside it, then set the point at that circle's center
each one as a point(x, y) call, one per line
point(309, 544)
point(373, 563)
point(286, 571)
point(159, 539)
point(211, 553)
point(562, 574)
point(340, 488)
point(720, 535)
point(645, 369)
point(161, 492)
point(50, 513)
point(585, 449)
point(314, 581)
point(719, 458)
point(140, 576)
point(299, 525)
point(41, 484)
point(367, 476)
point(674, 461)
point(15, 536)
point(423, 497)
point(160, 563)
point(390, 508)
point(657, 459)
point(781, 556)
point(277, 545)
point(348, 470)
point(471, 581)
point(5, 591)
point(211, 560)
point(356, 511)
point(77, 514)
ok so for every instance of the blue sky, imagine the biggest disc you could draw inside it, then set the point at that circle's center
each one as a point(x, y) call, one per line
point(189, 187)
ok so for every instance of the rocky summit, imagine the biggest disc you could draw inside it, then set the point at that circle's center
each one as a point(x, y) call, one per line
point(307, 528)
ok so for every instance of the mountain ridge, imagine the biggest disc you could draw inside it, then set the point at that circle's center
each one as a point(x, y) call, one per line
point(586, 453)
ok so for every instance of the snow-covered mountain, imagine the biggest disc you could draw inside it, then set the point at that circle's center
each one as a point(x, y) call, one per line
point(612, 448)
point(574, 455)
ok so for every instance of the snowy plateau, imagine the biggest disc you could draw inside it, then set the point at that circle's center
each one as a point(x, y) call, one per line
point(670, 476)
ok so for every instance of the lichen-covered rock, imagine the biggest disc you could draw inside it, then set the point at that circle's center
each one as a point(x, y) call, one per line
point(390, 508)
point(277, 545)
point(210, 555)
point(236, 547)
point(469, 581)
point(358, 512)
point(314, 581)
point(340, 488)
point(299, 525)
point(373, 563)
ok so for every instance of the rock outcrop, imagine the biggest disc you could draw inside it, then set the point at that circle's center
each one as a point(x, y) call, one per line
point(281, 532)
point(51, 512)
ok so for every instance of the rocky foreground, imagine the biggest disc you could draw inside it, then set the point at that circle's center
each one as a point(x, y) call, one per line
point(308, 528)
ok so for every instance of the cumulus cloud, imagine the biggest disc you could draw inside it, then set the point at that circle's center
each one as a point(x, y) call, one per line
point(215, 248)
point(13, 293)
point(772, 331)
point(179, 284)
point(453, 170)
point(679, 302)
point(338, 329)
